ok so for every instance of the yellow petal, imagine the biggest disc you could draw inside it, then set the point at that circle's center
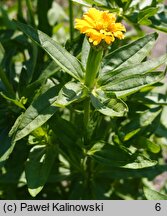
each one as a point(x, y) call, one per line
point(119, 35)
point(109, 39)
point(89, 20)
point(120, 27)
point(93, 13)
point(100, 25)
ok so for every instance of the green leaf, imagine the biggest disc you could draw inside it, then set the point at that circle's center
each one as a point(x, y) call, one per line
point(108, 172)
point(157, 98)
point(84, 3)
point(115, 156)
point(109, 154)
point(159, 20)
point(2, 52)
point(142, 142)
point(140, 163)
point(101, 2)
point(69, 136)
point(108, 104)
point(6, 146)
point(71, 92)
point(153, 195)
point(38, 166)
point(140, 122)
point(131, 134)
point(66, 132)
point(159, 25)
point(36, 115)
point(16, 102)
point(60, 55)
point(6, 82)
point(49, 71)
point(132, 53)
point(128, 85)
point(161, 131)
point(138, 69)
point(145, 14)
point(85, 52)
point(89, 3)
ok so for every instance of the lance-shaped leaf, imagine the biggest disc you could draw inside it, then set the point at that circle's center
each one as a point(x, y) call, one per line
point(159, 20)
point(60, 55)
point(36, 115)
point(108, 104)
point(125, 173)
point(145, 14)
point(6, 146)
point(143, 142)
point(115, 75)
point(132, 53)
point(130, 84)
point(155, 98)
point(38, 166)
point(115, 156)
point(140, 122)
point(89, 3)
point(14, 101)
point(153, 195)
point(85, 52)
point(70, 93)
point(84, 3)
point(49, 71)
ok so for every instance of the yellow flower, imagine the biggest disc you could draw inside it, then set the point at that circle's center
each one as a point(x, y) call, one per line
point(99, 26)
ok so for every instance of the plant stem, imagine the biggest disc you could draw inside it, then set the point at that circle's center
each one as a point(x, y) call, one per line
point(92, 67)
point(71, 20)
point(88, 177)
point(20, 11)
point(6, 82)
point(86, 119)
point(86, 111)
point(42, 12)
point(30, 13)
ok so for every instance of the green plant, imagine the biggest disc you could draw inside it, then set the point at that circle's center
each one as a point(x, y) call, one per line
point(137, 13)
point(79, 124)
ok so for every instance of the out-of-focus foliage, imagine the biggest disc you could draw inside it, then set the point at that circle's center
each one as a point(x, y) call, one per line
point(45, 150)
point(151, 13)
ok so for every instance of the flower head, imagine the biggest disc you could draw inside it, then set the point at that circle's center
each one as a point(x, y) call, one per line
point(100, 26)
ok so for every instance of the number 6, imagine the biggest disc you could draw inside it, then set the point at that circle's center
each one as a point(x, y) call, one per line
point(158, 206)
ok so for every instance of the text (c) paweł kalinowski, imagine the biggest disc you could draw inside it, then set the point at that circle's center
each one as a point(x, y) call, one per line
point(61, 207)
